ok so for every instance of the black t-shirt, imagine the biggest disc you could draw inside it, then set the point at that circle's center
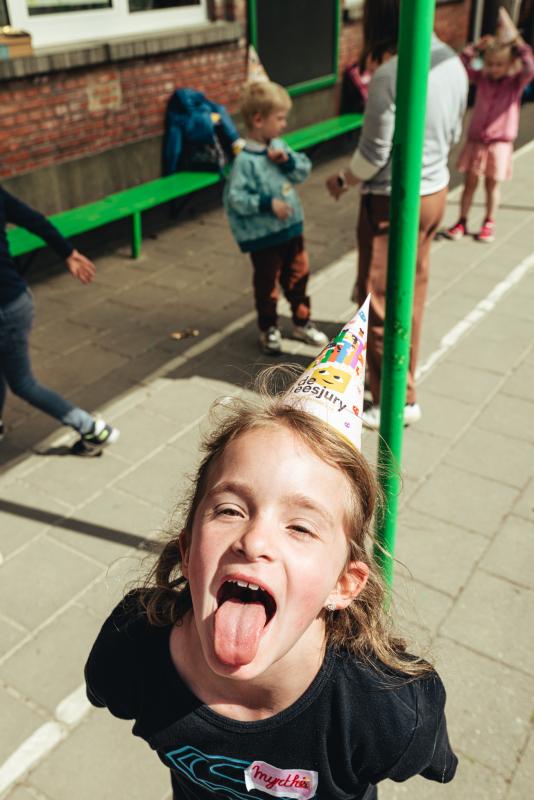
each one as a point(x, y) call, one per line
point(13, 210)
point(353, 727)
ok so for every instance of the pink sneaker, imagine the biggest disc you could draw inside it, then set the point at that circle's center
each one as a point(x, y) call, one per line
point(455, 233)
point(487, 232)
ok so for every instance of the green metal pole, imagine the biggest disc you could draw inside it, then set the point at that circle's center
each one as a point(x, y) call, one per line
point(416, 23)
point(137, 234)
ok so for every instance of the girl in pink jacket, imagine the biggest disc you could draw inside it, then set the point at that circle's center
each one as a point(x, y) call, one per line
point(494, 124)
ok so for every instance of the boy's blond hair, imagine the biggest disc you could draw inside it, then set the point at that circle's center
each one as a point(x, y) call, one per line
point(262, 97)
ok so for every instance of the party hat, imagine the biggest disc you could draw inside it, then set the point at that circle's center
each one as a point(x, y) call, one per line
point(255, 69)
point(332, 386)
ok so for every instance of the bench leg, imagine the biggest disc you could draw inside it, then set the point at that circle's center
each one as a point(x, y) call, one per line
point(137, 234)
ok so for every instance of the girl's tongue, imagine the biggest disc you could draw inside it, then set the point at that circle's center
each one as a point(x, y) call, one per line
point(238, 629)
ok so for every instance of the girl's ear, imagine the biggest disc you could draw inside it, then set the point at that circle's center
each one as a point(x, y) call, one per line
point(184, 553)
point(349, 586)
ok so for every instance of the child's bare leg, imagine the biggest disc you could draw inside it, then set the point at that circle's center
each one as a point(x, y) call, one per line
point(470, 185)
point(492, 197)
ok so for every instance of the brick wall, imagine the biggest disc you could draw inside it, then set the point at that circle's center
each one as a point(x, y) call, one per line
point(65, 115)
point(52, 119)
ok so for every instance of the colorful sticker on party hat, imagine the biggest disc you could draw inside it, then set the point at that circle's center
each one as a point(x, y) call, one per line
point(332, 386)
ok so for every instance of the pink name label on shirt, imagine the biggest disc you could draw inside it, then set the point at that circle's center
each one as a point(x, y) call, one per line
point(298, 783)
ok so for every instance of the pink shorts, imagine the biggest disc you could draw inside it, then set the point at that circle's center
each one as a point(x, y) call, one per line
point(492, 160)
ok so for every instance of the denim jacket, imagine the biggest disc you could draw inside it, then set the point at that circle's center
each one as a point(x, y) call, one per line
point(251, 187)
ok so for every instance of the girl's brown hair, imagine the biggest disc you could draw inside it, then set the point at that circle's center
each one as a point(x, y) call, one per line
point(364, 627)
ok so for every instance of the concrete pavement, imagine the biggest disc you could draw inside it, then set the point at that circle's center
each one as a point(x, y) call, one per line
point(75, 531)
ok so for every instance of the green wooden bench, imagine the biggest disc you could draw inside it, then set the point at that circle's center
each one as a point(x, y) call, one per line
point(132, 202)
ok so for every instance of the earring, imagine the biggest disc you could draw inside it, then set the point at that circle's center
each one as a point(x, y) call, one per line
point(331, 606)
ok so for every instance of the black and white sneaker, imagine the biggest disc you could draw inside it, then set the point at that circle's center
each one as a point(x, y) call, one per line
point(92, 444)
point(310, 334)
point(271, 340)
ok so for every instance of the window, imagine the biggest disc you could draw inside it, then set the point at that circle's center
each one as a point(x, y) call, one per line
point(63, 22)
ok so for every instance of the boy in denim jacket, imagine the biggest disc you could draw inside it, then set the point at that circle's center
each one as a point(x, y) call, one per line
point(266, 217)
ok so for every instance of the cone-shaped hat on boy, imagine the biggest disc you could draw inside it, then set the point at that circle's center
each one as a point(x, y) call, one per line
point(255, 69)
point(332, 386)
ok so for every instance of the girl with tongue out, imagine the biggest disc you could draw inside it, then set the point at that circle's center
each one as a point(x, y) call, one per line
point(257, 660)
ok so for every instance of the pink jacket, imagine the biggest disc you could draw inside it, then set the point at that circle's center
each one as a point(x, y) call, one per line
point(497, 104)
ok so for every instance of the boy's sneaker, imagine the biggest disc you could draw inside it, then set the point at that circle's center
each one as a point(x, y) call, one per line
point(271, 340)
point(456, 232)
point(487, 232)
point(371, 417)
point(92, 444)
point(310, 334)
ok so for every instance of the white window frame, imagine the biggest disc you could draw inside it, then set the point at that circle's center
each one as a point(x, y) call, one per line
point(51, 30)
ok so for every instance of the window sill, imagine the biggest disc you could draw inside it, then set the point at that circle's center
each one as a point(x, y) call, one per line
point(89, 54)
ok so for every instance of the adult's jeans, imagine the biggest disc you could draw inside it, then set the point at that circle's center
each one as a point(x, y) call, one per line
point(16, 320)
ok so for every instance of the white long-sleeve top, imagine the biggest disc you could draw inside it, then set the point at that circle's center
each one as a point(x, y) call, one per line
point(446, 104)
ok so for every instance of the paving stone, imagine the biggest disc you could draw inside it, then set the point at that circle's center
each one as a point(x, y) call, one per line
point(476, 351)
point(467, 384)
point(109, 526)
point(160, 479)
point(10, 635)
point(521, 383)
point(472, 780)
point(421, 452)
point(101, 759)
point(144, 295)
point(108, 315)
point(35, 669)
point(54, 574)
point(426, 547)
point(525, 503)
point(464, 499)
point(182, 402)
point(457, 305)
point(25, 514)
point(141, 368)
point(65, 336)
point(444, 419)
point(523, 780)
point(18, 722)
point(511, 554)
point(488, 707)
point(417, 603)
point(20, 793)
point(118, 272)
point(83, 478)
point(481, 619)
point(511, 415)
point(191, 440)
point(122, 574)
point(492, 455)
point(142, 432)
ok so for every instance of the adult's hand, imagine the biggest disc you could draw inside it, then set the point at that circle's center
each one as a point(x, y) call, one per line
point(334, 187)
point(81, 267)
